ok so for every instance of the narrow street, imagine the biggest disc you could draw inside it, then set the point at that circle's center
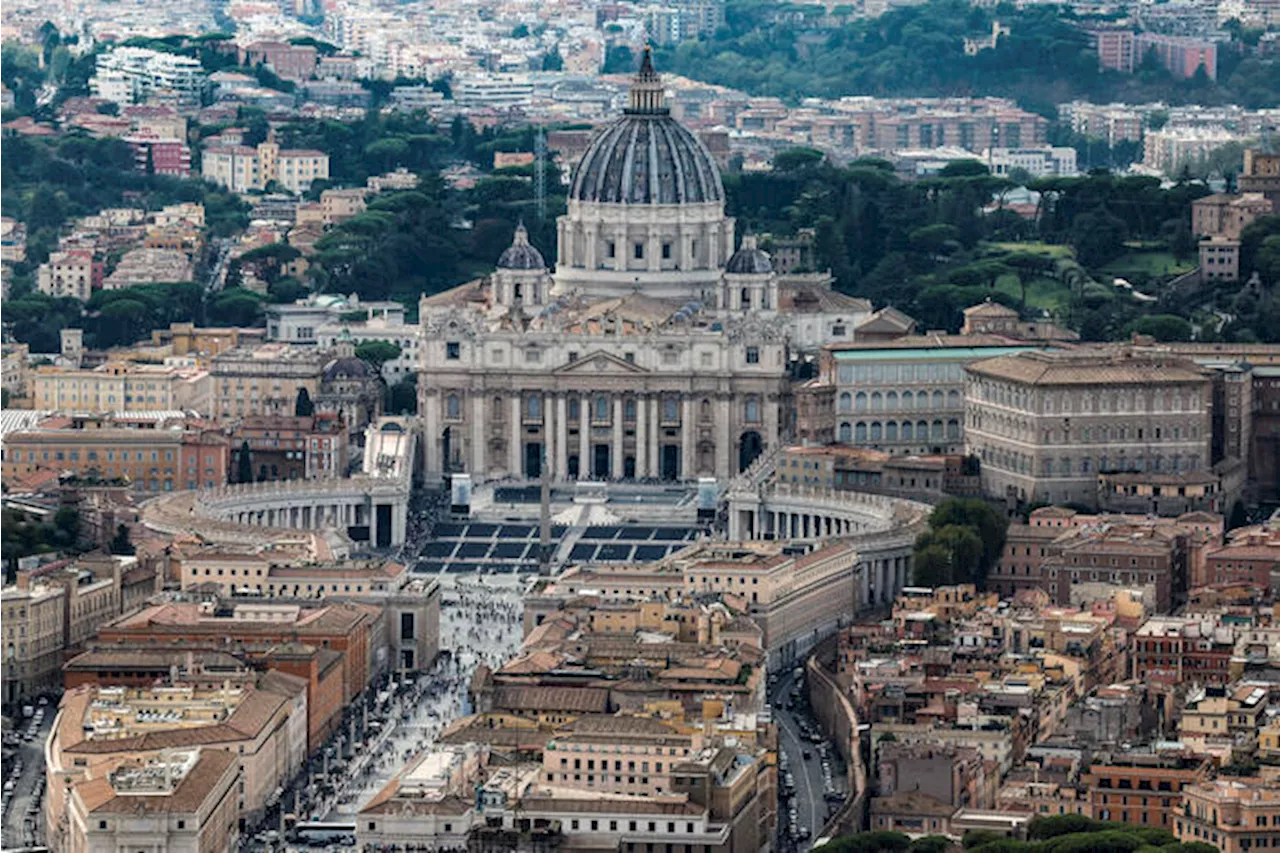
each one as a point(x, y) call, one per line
point(815, 777)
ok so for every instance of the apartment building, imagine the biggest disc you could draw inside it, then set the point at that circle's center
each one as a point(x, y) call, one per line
point(287, 447)
point(1184, 650)
point(136, 75)
point(291, 61)
point(73, 273)
point(242, 169)
point(34, 628)
point(1218, 220)
point(265, 380)
point(1142, 788)
point(150, 265)
point(151, 459)
point(1175, 146)
point(1234, 814)
point(1045, 424)
point(120, 386)
point(261, 720)
point(1261, 174)
point(1041, 161)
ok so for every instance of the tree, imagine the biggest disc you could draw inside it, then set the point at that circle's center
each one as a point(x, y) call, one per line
point(377, 353)
point(302, 406)
point(402, 397)
point(1239, 516)
point(1165, 328)
point(1098, 237)
point(120, 543)
point(931, 566)
point(797, 159)
point(244, 464)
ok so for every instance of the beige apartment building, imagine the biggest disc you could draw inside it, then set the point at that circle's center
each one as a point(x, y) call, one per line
point(1045, 424)
point(1232, 814)
point(119, 386)
point(72, 273)
point(181, 800)
point(241, 168)
point(262, 722)
point(615, 755)
point(264, 380)
point(33, 628)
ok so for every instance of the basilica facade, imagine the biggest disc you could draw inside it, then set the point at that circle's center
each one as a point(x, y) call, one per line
point(654, 350)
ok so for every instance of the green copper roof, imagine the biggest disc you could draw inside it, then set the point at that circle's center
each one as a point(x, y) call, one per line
point(929, 353)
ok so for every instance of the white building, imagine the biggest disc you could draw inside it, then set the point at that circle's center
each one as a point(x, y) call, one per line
point(390, 328)
point(136, 75)
point(1041, 161)
point(497, 91)
point(653, 351)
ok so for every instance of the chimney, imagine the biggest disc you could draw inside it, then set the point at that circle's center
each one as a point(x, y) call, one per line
point(24, 581)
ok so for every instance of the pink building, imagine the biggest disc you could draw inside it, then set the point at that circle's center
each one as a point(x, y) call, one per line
point(168, 156)
point(1182, 55)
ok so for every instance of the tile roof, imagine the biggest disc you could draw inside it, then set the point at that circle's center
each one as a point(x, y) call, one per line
point(577, 699)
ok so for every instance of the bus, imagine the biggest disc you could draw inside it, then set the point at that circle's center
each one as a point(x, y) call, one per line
point(319, 834)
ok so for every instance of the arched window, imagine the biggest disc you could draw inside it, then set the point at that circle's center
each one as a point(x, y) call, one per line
point(908, 399)
point(745, 295)
point(846, 432)
point(891, 431)
point(602, 408)
point(705, 406)
point(935, 431)
point(876, 431)
point(1065, 462)
point(498, 413)
point(630, 408)
point(953, 429)
point(574, 408)
point(846, 401)
point(533, 407)
point(1046, 467)
point(891, 400)
point(452, 407)
point(937, 399)
point(907, 432)
point(860, 401)
point(752, 414)
point(877, 401)
point(860, 432)
point(922, 400)
point(922, 430)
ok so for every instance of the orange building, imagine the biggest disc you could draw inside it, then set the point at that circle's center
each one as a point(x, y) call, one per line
point(1141, 788)
point(1234, 815)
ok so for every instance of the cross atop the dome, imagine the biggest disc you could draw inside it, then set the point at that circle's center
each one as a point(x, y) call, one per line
point(647, 97)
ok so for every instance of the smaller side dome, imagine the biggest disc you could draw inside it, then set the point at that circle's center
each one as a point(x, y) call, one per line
point(349, 367)
point(521, 254)
point(750, 259)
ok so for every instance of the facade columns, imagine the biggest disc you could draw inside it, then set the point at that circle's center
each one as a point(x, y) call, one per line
point(514, 468)
point(724, 442)
point(770, 403)
point(477, 435)
point(615, 466)
point(687, 450)
point(642, 437)
point(584, 438)
point(655, 432)
point(562, 438)
point(431, 447)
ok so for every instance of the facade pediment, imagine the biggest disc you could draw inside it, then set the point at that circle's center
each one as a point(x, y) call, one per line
point(603, 363)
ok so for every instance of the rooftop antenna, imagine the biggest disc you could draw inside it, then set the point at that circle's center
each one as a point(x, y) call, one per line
point(540, 173)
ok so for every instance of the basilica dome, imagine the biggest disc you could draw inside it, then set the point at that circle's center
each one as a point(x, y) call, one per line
point(646, 156)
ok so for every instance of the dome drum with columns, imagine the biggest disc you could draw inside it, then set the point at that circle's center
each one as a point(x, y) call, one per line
point(653, 351)
point(646, 198)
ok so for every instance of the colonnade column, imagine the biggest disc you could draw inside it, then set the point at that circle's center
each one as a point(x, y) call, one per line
point(477, 435)
point(514, 468)
point(615, 464)
point(584, 438)
point(642, 437)
point(562, 438)
point(687, 453)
